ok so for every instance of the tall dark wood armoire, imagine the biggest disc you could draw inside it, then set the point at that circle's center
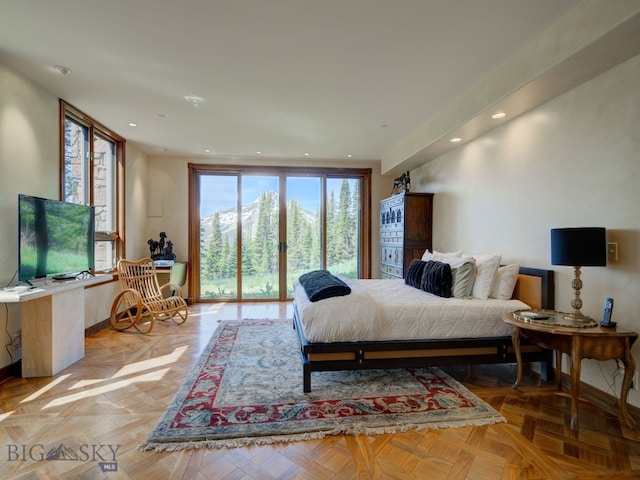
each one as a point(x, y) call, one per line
point(406, 221)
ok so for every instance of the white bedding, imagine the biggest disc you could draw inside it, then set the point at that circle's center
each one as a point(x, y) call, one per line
point(390, 310)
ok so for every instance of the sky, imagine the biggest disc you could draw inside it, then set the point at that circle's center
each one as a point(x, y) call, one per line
point(219, 192)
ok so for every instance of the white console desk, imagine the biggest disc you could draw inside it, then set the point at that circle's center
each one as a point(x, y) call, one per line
point(52, 323)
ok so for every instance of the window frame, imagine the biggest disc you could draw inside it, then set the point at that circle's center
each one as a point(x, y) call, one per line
point(96, 129)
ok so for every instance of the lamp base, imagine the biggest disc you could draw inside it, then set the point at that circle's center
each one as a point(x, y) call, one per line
point(578, 317)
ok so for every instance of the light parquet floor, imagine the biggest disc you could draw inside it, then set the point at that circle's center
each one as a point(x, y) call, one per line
point(114, 396)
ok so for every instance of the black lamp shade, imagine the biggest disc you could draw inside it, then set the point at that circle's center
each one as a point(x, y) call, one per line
point(579, 247)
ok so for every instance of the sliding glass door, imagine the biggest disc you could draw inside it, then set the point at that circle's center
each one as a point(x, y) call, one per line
point(217, 236)
point(304, 240)
point(260, 233)
point(343, 227)
point(258, 230)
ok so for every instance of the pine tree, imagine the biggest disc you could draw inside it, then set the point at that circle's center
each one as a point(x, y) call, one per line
point(295, 228)
point(248, 253)
point(355, 220)
point(332, 247)
point(266, 235)
point(308, 261)
point(215, 259)
point(231, 265)
point(316, 243)
point(344, 222)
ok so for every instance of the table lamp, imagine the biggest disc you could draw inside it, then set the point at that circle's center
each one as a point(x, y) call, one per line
point(578, 247)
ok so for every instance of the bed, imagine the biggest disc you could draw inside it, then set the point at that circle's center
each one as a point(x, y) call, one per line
point(372, 327)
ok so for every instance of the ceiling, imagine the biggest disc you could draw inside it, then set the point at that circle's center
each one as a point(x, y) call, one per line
point(290, 79)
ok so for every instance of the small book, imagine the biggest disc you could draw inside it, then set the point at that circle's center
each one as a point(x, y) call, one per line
point(164, 263)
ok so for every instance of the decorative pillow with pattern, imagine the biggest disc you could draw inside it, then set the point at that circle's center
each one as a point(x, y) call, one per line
point(436, 278)
point(413, 277)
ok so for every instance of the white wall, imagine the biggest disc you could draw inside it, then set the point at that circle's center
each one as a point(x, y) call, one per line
point(572, 162)
point(29, 156)
point(136, 192)
point(29, 164)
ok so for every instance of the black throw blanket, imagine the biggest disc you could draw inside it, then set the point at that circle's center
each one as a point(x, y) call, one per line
point(321, 284)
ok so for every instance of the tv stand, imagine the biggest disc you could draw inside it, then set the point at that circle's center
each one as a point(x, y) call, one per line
point(52, 324)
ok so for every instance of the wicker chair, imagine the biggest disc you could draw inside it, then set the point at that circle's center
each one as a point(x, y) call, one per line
point(142, 300)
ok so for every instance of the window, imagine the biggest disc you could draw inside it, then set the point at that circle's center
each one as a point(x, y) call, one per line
point(92, 166)
point(254, 230)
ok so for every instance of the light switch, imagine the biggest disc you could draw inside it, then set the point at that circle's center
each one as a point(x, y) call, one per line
point(612, 251)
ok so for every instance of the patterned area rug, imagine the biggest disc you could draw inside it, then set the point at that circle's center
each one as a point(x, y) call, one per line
point(247, 389)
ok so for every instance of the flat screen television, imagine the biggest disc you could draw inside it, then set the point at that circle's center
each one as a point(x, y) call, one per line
point(56, 239)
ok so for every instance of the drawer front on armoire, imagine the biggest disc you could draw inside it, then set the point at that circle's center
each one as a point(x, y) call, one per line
point(391, 261)
point(405, 231)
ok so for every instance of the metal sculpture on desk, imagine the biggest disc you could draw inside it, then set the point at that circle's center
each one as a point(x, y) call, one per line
point(161, 250)
point(402, 183)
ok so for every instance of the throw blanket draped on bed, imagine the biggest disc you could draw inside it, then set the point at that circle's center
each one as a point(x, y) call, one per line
point(321, 284)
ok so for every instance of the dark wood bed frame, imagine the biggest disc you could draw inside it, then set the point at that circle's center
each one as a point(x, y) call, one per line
point(535, 287)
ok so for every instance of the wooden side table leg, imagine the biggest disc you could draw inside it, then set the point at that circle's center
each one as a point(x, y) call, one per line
point(558, 355)
point(629, 370)
point(575, 383)
point(515, 340)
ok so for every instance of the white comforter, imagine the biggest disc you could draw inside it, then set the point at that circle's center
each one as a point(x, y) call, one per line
point(390, 310)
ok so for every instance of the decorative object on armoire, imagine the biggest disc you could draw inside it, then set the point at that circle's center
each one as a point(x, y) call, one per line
point(405, 231)
point(401, 184)
point(579, 247)
point(162, 249)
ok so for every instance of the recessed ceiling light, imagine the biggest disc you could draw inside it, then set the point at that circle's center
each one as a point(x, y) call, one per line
point(207, 150)
point(195, 100)
point(498, 115)
point(62, 70)
point(455, 140)
point(349, 155)
point(258, 153)
point(306, 154)
point(131, 124)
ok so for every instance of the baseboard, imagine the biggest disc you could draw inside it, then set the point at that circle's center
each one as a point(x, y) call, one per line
point(93, 329)
point(602, 399)
point(11, 371)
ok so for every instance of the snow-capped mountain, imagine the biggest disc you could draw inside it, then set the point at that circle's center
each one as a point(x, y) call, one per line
point(229, 218)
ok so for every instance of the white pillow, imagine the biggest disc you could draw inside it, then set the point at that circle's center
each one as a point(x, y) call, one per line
point(440, 256)
point(505, 282)
point(486, 268)
point(463, 275)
